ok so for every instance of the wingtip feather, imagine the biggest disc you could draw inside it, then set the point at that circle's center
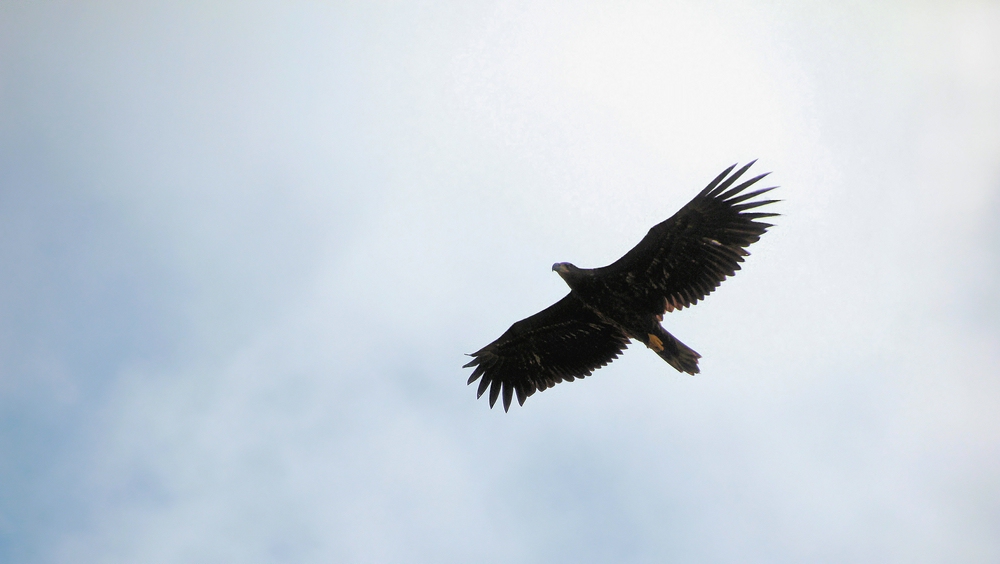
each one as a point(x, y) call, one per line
point(485, 383)
point(742, 186)
point(495, 387)
point(744, 197)
point(729, 181)
point(715, 182)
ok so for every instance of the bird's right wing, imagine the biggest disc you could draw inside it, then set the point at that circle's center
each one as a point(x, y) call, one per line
point(562, 342)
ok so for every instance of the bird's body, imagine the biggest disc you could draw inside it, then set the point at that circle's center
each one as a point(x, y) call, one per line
point(677, 263)
point(629, 313)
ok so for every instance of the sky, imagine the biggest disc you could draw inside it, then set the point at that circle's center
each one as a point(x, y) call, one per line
point(246, 247)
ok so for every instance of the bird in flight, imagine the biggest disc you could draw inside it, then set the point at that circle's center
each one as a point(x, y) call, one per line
point(677, 263)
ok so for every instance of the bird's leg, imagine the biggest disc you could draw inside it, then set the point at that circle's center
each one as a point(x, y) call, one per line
point(655, 343)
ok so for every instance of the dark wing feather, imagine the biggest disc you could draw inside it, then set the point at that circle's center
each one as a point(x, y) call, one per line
point(681, 260)
point(562, 342)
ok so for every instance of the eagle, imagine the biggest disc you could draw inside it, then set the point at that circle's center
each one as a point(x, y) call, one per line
point(677, 263)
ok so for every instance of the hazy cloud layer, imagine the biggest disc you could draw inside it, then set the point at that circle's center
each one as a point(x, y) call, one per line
point(246, 247)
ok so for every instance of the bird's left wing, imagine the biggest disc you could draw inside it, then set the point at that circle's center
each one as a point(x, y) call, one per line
point(684, 258)
point(565, 341)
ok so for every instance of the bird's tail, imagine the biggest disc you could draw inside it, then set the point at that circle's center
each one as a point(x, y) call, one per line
point(676, 353)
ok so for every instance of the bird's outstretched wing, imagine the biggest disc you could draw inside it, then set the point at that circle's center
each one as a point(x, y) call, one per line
point(562, 342)
point(684, 258)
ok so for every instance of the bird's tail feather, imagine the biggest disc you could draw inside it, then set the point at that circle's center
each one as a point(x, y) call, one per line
point(677, 354)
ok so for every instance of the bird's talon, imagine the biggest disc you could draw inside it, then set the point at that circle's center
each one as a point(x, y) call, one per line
point(655, 343)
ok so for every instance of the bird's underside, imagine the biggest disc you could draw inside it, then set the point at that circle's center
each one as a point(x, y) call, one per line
point(677, 263)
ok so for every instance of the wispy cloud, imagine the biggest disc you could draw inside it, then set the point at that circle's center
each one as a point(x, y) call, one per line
point(246, 248)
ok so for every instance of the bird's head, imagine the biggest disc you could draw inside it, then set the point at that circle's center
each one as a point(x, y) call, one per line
point(567, 271)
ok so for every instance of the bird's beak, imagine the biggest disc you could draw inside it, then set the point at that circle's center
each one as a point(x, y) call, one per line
point(555, 267)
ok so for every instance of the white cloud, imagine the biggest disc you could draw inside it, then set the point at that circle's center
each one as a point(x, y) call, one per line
point(343, 201)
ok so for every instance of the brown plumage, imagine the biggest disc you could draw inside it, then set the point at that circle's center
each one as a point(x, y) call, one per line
point(678, 263)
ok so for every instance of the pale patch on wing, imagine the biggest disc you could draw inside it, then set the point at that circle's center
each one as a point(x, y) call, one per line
point(669, 305)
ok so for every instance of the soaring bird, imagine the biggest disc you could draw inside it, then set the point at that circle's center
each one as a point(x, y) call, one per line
point(677, 263)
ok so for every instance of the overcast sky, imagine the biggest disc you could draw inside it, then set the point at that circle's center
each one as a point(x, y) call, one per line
point(245, 247)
